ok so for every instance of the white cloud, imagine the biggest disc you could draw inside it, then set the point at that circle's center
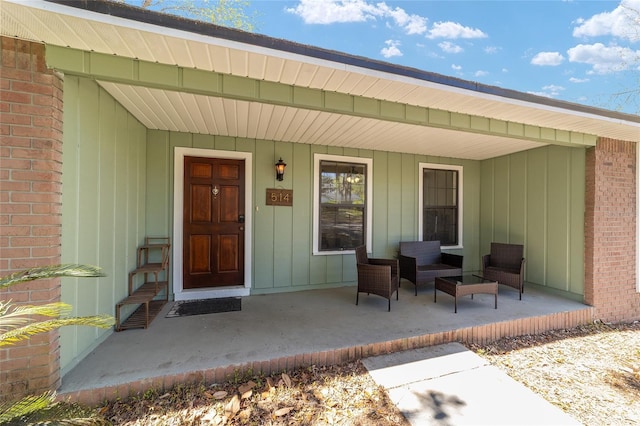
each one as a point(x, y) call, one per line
point(412, 24)
point(491, 50)
point(341, 11)
point(480, 73)
point(329, 12)
point(578, 80)
point(453, 30)
point(392, 49)
point(449, 47)
point(547, 59)
point(344, 11)
point(549, 91)
point(622, 22)
point(553, 88)
point(546, 95)
point(456, 67)
point(603, 59)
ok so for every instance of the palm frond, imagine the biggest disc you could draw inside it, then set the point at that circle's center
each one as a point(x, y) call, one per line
point(16, 316)
point(25, 332)
point(44, 410)
point(5, 305)
point(13, 410)
point(83, 421)
point(22, 322)
point(51, 271)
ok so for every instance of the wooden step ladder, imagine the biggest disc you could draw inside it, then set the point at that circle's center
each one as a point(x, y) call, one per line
point(145, 295)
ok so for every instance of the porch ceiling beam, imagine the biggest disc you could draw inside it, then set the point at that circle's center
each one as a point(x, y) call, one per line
point(169, 77)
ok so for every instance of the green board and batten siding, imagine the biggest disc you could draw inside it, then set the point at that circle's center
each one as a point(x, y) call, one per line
point(282, 236)
point(537, 197)
point(103, 205)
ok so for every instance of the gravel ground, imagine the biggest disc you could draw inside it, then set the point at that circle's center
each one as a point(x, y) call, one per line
point(591, 372)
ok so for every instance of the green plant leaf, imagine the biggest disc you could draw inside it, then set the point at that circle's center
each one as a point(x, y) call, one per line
point(25, 332)
point(44, 410)
point(13, 410)
point(20, 322)
point(12, 316)
point(52, 271)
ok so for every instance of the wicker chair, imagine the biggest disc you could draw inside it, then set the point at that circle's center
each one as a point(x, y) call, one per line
point(505, 265)
point(422, 261)
point(377, 276)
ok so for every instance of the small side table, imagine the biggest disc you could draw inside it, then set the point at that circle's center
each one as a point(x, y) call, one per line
point(465, 285)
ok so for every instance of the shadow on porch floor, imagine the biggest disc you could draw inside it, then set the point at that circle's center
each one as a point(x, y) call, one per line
point(284, 331)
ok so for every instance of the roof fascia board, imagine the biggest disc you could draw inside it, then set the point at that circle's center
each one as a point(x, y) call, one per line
point(168, 25)
point(134, 72)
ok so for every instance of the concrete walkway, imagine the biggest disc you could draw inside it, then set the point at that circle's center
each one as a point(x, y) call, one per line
point(450, 385)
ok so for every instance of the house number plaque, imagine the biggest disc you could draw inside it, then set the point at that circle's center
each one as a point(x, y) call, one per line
point(279, 197)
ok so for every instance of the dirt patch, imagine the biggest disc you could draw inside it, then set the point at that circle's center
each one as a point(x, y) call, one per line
point(336, 395)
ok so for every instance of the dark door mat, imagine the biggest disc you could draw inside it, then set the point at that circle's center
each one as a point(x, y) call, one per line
point(204, 306)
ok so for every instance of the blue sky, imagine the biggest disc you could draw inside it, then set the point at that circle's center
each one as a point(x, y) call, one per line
point(577, 51)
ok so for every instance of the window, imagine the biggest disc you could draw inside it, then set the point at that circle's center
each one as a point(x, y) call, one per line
point(342, 213)
point(441, 204)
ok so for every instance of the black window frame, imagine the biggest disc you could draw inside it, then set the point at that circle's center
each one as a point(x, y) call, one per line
point(349, 203)
point(441, 204)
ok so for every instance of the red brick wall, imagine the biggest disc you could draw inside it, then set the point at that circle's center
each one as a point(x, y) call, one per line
point(30, 203)
point(610, 231)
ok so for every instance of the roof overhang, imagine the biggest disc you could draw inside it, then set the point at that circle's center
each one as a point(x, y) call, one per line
point(122, 31)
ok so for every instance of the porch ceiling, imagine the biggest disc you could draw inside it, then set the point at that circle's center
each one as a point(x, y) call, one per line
point(187, 44)
point(186, 112)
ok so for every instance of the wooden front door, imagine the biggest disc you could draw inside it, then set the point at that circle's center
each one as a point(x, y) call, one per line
point(213, 226)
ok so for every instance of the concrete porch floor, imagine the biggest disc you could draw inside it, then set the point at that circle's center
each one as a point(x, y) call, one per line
point(284, 331)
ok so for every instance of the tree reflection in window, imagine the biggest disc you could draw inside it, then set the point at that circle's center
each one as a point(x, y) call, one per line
point(440, 221)
point(342, 205)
